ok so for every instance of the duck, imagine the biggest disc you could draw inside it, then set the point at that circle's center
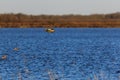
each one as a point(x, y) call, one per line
point(50, 30)
point(4, 57)
point(16, 49)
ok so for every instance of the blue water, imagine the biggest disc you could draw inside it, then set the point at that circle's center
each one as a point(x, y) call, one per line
point(68, 54)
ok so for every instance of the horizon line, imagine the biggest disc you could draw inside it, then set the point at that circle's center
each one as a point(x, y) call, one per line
point(59, 14)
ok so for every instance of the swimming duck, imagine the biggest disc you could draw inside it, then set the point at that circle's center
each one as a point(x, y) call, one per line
point(4, 57)
point(50, 30)
point(16, 49)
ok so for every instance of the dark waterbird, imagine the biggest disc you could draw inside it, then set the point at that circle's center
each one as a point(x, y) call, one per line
point(118, 71)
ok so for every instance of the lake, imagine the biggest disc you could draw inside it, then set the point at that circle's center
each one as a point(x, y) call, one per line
point(66, 54)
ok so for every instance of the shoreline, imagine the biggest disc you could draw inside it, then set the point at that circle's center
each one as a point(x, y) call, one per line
point(20, 20)
point(70, 25)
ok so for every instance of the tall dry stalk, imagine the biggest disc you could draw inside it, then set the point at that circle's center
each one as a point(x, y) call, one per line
point(51, 75)
point(0, 77)
point(95, 77)
point(19, 76)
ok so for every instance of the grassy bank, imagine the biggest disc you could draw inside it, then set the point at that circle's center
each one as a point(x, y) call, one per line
point(95, 20)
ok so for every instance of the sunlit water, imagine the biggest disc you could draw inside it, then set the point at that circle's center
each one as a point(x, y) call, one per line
point(68, 54)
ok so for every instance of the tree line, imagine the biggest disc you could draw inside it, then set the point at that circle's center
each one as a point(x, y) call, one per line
point(21, 20)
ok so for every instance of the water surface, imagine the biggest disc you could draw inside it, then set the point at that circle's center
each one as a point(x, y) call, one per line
point(69, 53)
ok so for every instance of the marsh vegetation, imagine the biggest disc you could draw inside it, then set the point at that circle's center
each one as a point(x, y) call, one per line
point(24, 21)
